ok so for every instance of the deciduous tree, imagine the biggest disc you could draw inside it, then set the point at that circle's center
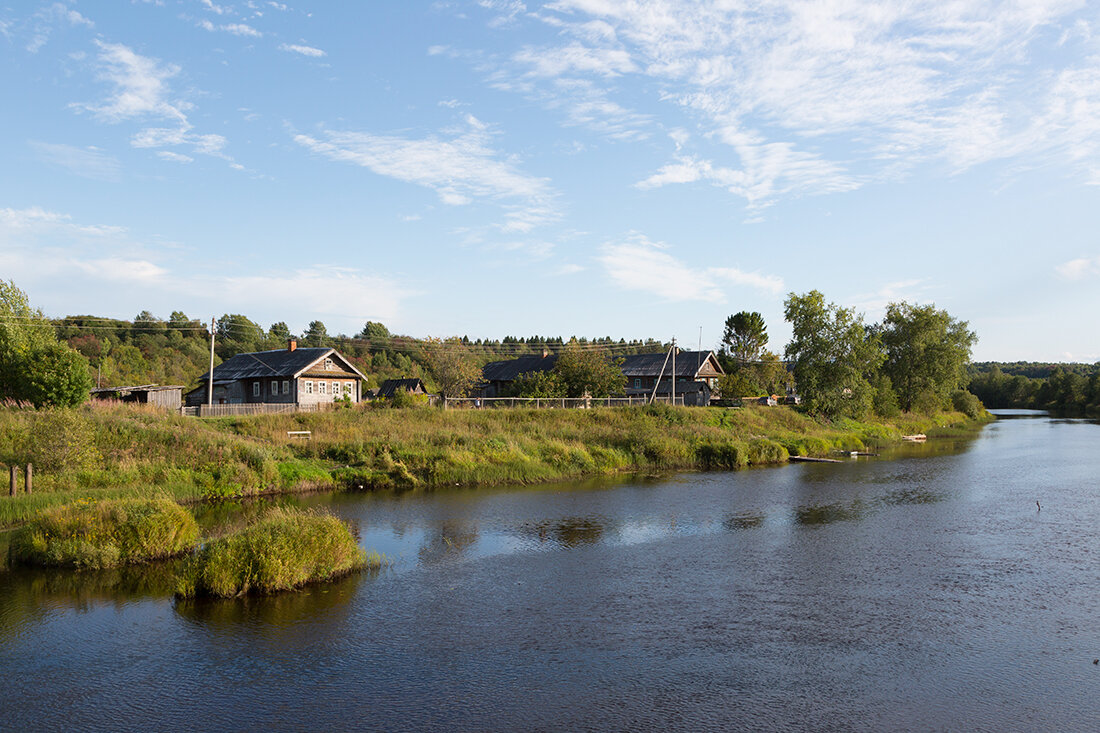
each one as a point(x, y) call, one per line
point(927, 352)
point(834, 355)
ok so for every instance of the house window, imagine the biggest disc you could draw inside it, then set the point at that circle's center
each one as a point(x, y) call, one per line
point(286, 386)
point(255, 389)
point(321, 387)
point(274, 387)
point(309, 386)
point(637, 383)
point(328, 365)
point(347, 388)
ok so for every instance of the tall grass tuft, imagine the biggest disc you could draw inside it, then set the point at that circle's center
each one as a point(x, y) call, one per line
point(106, 534)
point(283, 550)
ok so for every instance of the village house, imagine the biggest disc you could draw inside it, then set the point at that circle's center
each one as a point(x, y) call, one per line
point(697, 374)
point(294, 376)
point(168, 396)
point(412, 385)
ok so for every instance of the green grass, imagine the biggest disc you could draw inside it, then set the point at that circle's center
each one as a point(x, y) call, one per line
point(120, 450)
point(285, 549)
point(106, 534)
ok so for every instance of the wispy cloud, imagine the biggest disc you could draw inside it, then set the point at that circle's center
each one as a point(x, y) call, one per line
point(873, 304)
point(637, 263)
point(85, 162)
point(42, 24)
point(461, 168)
point(303, 50)
point(142, 91)
point(1079, 269)
point(237, 29)
point(826, 96)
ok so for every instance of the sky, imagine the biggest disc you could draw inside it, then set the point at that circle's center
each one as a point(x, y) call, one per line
point(624, 168)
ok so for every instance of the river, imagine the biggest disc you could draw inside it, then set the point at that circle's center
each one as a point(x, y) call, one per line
point(923, 589)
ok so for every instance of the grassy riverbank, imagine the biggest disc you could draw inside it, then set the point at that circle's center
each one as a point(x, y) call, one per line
point(123, 451)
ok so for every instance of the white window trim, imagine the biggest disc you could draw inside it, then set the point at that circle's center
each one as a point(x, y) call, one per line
point(309, 386)
point(256, 389)
point(322, 388)
point(274, 387)
point(286, 386)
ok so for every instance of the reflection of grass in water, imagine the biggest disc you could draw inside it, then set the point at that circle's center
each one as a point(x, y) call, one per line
point(828, 513)
point(903, 497)
point(743, 520)
point(283, 609)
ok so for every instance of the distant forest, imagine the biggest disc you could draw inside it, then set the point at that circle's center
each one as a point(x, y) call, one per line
point(176, 350)
point(1070, 389)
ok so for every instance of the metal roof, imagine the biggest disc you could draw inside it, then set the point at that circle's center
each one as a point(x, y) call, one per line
point(688, 364)
point(392, 385)
point(508, 371)
point(272, 364)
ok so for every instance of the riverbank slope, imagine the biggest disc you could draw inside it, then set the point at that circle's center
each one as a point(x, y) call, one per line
point(116, 451)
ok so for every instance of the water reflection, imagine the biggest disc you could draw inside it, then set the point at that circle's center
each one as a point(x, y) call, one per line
point(568, 532)
point(743, 520)
point(828, 513)
point(279, 609)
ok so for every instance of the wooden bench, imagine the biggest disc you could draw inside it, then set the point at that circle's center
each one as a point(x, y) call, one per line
point(304, 434)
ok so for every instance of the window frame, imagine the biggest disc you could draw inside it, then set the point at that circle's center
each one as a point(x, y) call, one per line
point(274, 387)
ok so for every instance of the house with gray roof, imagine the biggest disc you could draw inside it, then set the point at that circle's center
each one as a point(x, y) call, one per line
point(290, 376)
point(697, 374)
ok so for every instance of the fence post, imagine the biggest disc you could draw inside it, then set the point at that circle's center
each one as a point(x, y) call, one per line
point(14, 478)
point(27, 478)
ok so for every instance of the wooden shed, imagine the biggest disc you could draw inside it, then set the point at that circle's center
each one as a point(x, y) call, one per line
point(168, 396)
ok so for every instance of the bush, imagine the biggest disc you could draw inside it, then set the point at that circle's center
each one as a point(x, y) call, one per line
point(968, 404)
point(283, 550)
point(106, 534)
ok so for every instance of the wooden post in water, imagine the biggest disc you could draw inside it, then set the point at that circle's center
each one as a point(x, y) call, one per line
point(14, 478)
point(27, 478)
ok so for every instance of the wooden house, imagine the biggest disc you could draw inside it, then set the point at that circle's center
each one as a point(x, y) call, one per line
point(642, 371)
point(497, 376)
point(293, 375)
point(410, 385)
point(168, 396)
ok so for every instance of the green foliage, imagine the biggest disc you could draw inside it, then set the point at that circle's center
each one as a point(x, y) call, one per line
point(834, 356)
point(57, 439)
point(926, 355)
point(744, 337)
point(316, 335)
point(34, 367)
point(885, 399)
point(967, 404)
point(588, 371)
point(451, 366)
point(282, 550)
point(538, 384)
point(106, 533)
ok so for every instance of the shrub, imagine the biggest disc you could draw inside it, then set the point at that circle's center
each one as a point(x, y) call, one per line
point(968, 404)
point(283, 550)
point(106, 534)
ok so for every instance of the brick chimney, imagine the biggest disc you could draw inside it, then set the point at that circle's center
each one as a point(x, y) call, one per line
point(291, 344)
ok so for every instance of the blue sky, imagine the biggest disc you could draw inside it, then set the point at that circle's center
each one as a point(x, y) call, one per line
point(630, 168)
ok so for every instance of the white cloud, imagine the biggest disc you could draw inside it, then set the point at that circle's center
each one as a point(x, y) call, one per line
point(874, 304)
point(461, 169)
point(85, 162)
point(37, 221)
point(818, 97)
point(141, 91)
point(1080, 268)
point(174, 157)
point(303, 50)
point(640, 264)
point(117, 269)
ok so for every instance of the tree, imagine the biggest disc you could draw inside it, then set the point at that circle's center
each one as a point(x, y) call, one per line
point(744, 337)
point(538, 384)
point(834, 356)
point(34, 366)
point(316, 334)
point(374, 331)
point(451, 366)
point(236, 334)
point(927, 352)
point(589, 371)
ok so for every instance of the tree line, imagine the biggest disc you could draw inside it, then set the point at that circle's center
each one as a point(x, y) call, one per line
point(914, 360)
point(1070, 389)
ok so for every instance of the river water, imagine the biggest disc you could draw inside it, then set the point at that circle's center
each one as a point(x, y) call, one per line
point(920, 590)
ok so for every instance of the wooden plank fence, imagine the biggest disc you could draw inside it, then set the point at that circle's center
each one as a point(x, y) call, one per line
point(548, 403)
point(255, 409)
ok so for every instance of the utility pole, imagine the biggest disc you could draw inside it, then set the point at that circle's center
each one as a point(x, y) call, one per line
point(210, 380)
point(673, 392)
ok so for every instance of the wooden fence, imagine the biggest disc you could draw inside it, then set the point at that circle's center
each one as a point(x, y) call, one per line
point(255, 409)
point(549, 403)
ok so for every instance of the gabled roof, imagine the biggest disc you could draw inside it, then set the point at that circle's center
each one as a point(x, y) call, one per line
point(280, 363)
point(392, 385)
point(509, 370)
point(688, 364)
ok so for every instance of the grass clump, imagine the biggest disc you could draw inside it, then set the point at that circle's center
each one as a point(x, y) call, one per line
point(106, 534)
point(283, 550)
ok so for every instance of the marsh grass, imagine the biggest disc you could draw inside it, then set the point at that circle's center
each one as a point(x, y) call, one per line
point(105, 534)
point(125, 450)
point(283, 550)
